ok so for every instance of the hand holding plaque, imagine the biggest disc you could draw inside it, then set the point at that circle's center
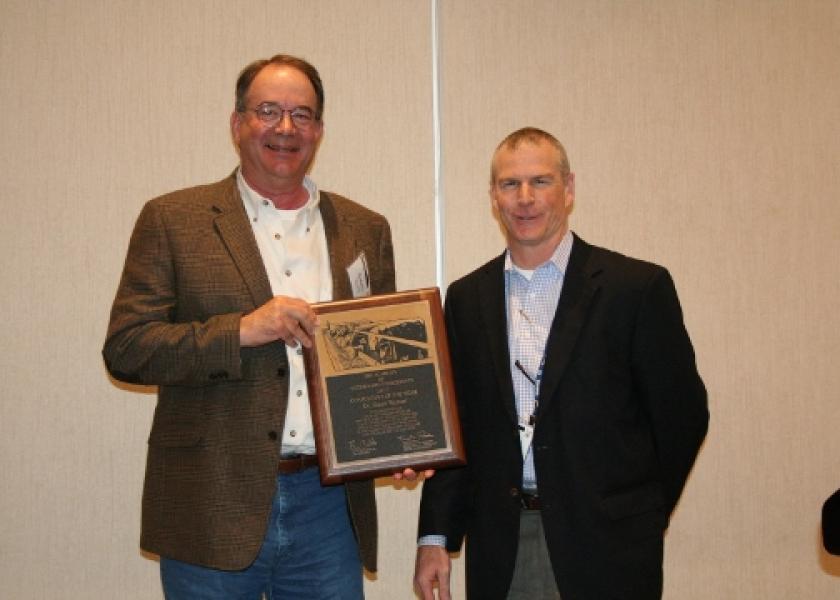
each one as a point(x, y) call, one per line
point(380, 387)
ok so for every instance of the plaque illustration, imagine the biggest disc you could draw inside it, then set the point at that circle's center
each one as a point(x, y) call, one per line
point(367, 343)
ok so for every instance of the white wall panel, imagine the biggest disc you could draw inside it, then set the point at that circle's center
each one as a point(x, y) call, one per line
point(107, 104)
point(704, 136)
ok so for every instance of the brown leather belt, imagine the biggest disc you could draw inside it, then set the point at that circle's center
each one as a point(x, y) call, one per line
point(530, 501)
point(296, 464)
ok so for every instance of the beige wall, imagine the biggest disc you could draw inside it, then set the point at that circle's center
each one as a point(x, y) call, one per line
point(705, 136)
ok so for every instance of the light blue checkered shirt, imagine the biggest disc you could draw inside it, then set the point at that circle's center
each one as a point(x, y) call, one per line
point(532, 298)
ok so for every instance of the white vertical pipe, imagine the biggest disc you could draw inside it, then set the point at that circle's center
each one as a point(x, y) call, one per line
point(436, 133)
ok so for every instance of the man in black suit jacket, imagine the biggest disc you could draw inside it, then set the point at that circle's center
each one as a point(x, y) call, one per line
point(581, 406)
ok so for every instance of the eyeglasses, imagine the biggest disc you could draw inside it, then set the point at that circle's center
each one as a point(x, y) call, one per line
point(271, 113)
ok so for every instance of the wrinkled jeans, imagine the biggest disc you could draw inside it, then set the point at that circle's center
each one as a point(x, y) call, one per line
point(309, 552)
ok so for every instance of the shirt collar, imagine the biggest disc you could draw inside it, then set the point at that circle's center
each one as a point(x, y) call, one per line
point(255, 203)
point(559, 258)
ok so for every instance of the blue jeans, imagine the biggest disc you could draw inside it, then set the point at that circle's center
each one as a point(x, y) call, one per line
point(309, 552)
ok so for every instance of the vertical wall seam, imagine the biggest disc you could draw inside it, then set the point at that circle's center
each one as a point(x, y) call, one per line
point(436, 142)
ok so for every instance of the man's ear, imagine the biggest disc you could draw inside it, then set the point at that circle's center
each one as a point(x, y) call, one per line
point(570, 191)
point(235, 123)
point(494, 206)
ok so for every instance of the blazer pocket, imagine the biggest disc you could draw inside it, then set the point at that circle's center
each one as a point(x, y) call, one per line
point(644, 498)
point(176, 434)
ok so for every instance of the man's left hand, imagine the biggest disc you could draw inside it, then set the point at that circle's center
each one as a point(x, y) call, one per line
point(411, 474)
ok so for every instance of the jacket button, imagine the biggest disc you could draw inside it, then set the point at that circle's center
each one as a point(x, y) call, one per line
point(281, 372)
point(272, 435)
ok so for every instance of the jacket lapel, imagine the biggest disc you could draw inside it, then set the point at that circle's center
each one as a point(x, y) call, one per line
point(491, 296)
point(341, 250)
point(232, 224)
point(580, 288)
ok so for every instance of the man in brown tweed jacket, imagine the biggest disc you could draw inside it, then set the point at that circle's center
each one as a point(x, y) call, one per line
point(212, 307)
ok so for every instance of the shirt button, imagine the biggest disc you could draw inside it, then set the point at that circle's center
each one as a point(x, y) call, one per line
point(299, 393)
point(299, 352)
point(288, 273)
point(292, 433)
point(277, 236)
point(265, 202)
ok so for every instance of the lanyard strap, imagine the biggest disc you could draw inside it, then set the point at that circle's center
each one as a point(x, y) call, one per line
point(535, 381)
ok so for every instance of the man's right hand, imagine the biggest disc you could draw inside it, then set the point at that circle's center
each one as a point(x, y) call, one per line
point(432, 566)
point(281, 318)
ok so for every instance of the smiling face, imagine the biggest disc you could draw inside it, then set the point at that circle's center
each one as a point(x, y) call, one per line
point(275, 158)
point(531, 200)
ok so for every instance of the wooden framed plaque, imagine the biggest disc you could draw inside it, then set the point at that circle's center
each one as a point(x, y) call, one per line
point(380, 387)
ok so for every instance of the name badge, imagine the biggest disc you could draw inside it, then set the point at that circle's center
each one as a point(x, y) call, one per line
point(359, 276)
point(526, 434)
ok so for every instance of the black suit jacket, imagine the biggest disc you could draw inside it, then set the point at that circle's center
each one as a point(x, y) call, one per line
point(831, 523)
point(193, 269)
point(621, 417)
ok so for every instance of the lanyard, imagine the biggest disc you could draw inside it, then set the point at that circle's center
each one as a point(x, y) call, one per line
point(535, 381)
point(526, 427)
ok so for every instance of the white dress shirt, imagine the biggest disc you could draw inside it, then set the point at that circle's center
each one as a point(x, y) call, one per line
point(532, 298)
point(293, 246)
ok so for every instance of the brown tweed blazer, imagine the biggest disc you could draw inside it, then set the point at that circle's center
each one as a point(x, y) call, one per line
point(193, 268)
